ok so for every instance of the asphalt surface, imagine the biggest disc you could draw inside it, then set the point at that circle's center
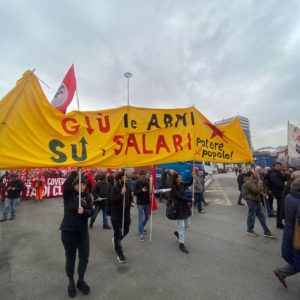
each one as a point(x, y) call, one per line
point(224, 262)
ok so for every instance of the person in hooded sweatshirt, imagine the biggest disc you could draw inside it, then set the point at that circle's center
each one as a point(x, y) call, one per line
point(74, 231)
point(120, 193)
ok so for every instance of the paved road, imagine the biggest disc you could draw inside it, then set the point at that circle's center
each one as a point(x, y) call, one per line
point(224, 262)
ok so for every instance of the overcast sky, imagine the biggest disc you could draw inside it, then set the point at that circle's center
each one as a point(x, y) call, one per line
point(224, 57)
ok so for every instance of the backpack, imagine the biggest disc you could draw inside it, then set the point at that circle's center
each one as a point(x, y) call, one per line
point(245, 191)
point(171, 212)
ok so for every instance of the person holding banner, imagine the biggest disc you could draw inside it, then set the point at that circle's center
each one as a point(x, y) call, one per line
point(183, 209)
point(142, 193)
point(120, 195)
point(74, 231)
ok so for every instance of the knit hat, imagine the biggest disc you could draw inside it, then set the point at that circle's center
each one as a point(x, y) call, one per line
point(295, 175)
point(295, 187)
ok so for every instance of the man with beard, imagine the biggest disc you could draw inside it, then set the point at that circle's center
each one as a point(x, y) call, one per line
point(276, 181)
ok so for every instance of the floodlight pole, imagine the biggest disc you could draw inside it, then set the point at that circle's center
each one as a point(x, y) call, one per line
point(128, 75)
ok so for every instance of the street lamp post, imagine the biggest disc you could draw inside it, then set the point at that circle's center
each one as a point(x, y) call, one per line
point(128, 76)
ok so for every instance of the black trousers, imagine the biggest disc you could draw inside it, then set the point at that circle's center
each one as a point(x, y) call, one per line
point(279, 217)
point(118, 236)
point(73, 240)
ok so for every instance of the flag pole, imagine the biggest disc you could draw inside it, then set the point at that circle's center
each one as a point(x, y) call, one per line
point(79, 169)
point(79, 190)
point(123, 217)
point(287, 157)
point(193, 188)
point(151, 205)
point(128, 75)
point(78, 108)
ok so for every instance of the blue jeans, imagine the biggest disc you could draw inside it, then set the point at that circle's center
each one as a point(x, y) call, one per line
point(10, 207)
point(255, 209)
point(182, 225)
point(98, 208)
point(199, 199)
point(144, 212)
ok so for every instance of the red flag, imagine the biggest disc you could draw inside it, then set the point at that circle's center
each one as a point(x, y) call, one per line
point(65, 93)
point(153, 204)
point(90, 178)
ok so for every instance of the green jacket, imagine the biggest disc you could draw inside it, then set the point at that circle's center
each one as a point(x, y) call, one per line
point(253, 190)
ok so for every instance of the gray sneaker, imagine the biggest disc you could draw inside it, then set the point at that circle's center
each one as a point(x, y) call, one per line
point(269, 235)
point(141, 238)
point(252, 233)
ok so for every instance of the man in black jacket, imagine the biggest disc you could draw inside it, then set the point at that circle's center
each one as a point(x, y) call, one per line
point(120, 194)
point(276, 181)
point(101, 193)
point(14, 188)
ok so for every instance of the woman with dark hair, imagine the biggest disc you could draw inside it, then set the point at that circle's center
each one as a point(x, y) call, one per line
point(74, 231)
point(183, 209)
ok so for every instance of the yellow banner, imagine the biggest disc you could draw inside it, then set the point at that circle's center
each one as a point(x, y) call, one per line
point(34, 134)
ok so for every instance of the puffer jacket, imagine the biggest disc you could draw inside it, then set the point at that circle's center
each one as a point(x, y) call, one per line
point(182, 203)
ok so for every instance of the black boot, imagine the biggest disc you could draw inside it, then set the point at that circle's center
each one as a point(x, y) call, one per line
point(82, 285)
point(183, 248)
point(71, 288)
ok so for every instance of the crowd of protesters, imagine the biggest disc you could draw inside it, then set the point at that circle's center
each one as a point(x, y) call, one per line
point(114, 197)
point(261, 187)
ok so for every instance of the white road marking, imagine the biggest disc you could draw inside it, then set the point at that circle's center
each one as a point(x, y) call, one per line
point(215, 187)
